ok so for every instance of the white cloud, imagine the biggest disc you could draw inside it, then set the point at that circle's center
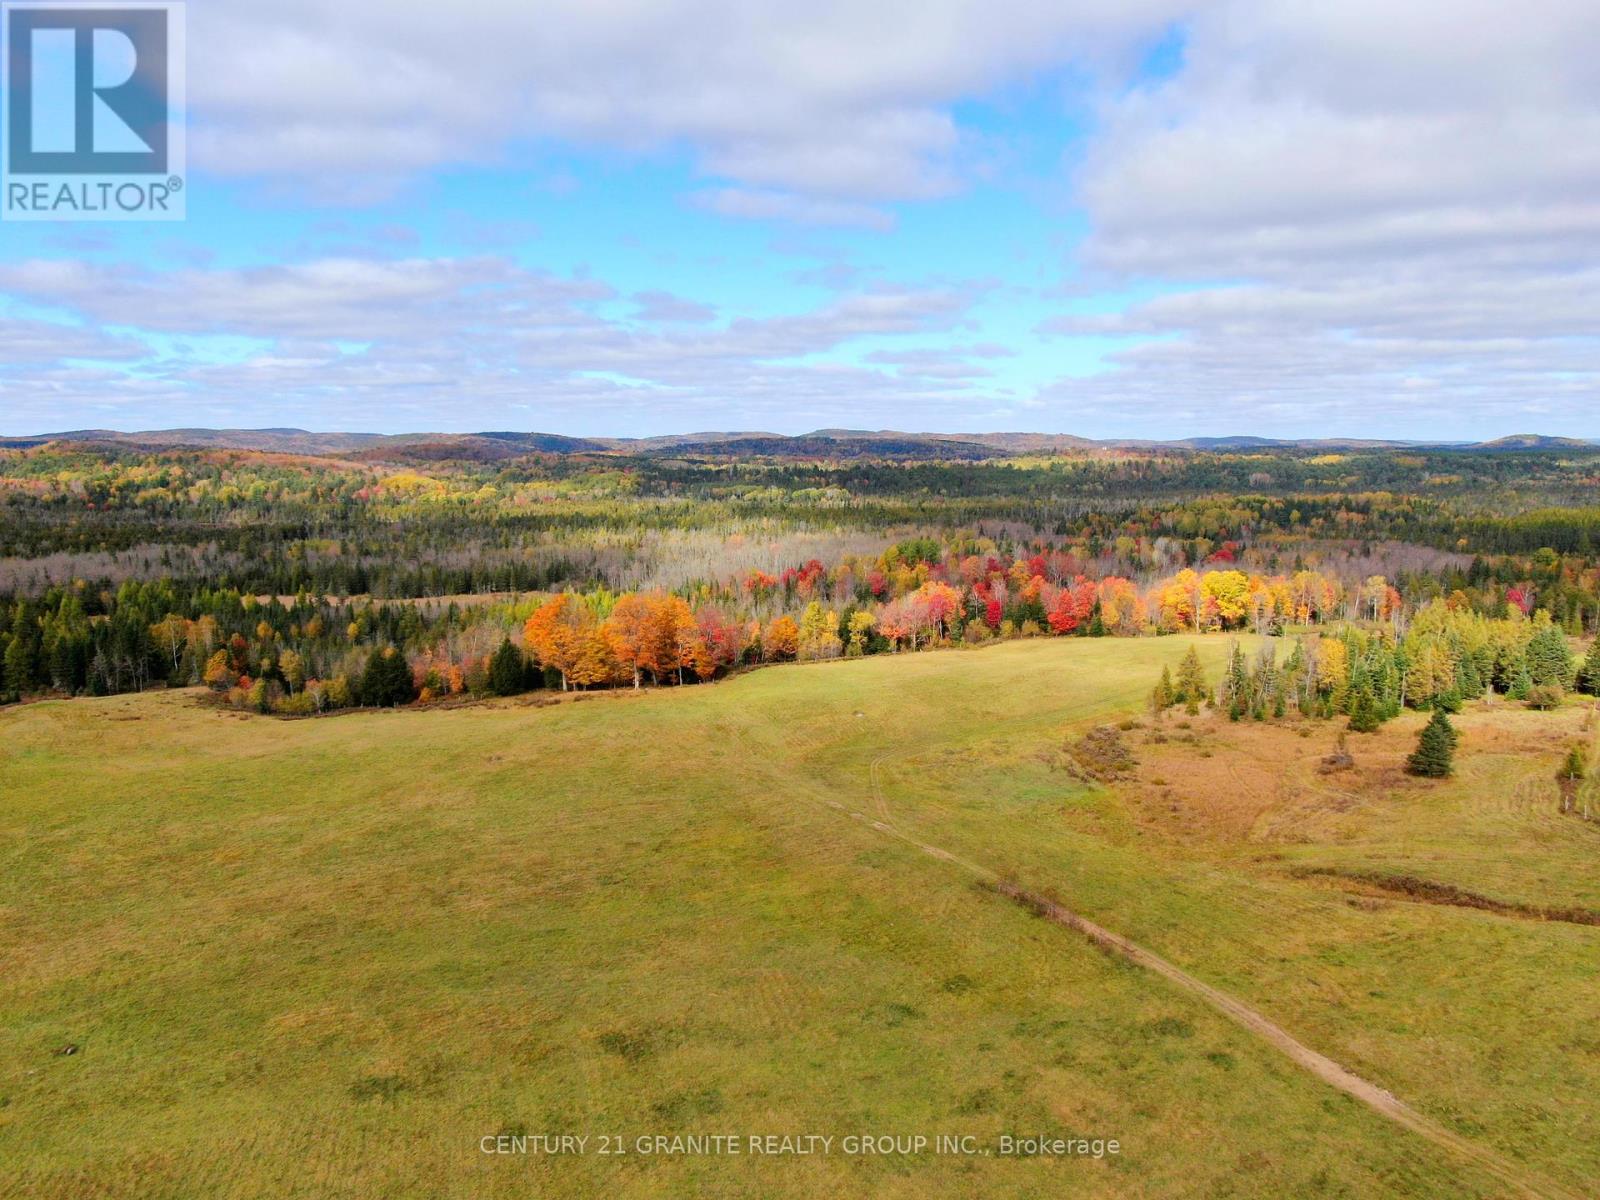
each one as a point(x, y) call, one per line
point(1353, 200)
point(760, 205)
point(837, 99)
point(452, 343)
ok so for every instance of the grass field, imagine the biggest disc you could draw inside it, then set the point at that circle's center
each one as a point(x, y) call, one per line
point(326, 958)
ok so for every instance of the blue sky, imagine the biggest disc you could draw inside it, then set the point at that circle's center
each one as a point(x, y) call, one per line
point(1135, 219)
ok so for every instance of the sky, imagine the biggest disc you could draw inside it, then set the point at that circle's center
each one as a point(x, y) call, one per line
point(1113, 218)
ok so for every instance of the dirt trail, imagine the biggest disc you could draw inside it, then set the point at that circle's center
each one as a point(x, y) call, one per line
point(1380, 1100)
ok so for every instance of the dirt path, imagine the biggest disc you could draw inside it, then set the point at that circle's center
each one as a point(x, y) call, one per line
point(1378, 1099)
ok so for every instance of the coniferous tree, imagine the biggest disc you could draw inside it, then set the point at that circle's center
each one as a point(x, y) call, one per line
point(1572, 773)
point(1236, 685)
point(386, 682)
point(506, 670)
point(1549, 660)
point(1097, 624)
point(21, 664)
point(1589, 675)
point(1192, 686)
point(1363, 711)
point(1161, 698)
point(1436, 747)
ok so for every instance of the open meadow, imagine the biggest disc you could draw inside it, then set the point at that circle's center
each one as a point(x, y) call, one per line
point(246, 956)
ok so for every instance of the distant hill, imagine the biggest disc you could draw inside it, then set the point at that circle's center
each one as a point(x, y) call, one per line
point(287, 441)
point(817, 445)
point(1533, 441)
point(498, 445)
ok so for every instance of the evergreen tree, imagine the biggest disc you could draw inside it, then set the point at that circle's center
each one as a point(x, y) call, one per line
point(1549, 660)
point(386, 682)
point(1161, 698)
point(1236, 685)
point(1363, 711)
point(1572, 773)
point(1589, 676)
point(1436, 747)
point(21, 664)
point(1521, 682)
point(506, 670)
point(1192, 685)
point(1097, 624)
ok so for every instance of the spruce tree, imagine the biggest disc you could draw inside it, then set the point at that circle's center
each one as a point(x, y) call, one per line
point(1436, 747)
point(386, 682)
point(1589, 676)
point(1521, 682)
point(1571, 774)
point(20, 664)
point(1363, 711)
point(1161, 698)
point(506, 670)
point(1237, 684)
point(1192, 686)
point(1549, 660)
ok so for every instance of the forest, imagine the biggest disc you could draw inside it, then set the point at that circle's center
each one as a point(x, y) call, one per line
point(300, 584)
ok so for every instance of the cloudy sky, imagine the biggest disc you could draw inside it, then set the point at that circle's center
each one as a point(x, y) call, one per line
point(1105, 217)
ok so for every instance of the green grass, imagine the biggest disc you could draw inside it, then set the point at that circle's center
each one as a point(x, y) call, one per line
point(324, 958)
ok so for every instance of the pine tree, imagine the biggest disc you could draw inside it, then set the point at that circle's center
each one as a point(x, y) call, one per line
point(1589, 676)
point(1363, 711)
point(386, 682)
point(506, 670)
point(1192, 686)
point(1571, 774)
point(1521, 682)
point(1237, 685)
point(1161, 698)
point(1549, 660)
point(1436, 747)
point(21, 664)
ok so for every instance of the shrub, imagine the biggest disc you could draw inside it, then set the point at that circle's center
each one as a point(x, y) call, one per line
point(1544, 697)
point(301, 704)
point(339, 693)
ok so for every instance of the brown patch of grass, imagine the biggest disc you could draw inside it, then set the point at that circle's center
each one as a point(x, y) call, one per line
point(1284, 781)
point(1101, 755)
point(1426, 891)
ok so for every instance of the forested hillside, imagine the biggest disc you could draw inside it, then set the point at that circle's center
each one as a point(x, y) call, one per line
point(300, 583)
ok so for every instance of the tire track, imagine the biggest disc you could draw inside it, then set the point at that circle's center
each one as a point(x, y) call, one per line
point(1380, 1100)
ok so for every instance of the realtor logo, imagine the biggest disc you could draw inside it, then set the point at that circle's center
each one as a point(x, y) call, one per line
point(94, 103)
